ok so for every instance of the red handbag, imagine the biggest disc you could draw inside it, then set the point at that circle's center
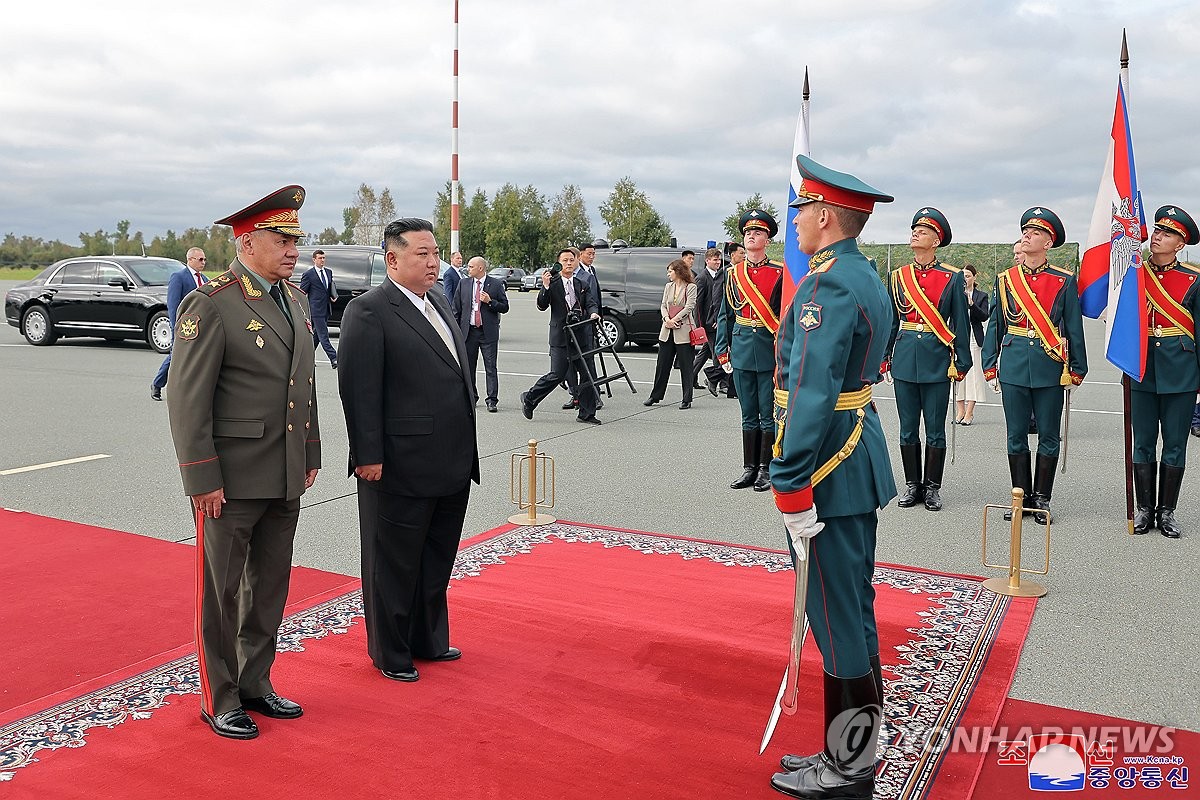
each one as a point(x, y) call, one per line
point(698, 335)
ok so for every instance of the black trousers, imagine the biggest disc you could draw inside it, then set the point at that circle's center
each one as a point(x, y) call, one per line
point(408, 550)
point(561, 366)
point(475, 344)
point(321, 337)
point(667, 352)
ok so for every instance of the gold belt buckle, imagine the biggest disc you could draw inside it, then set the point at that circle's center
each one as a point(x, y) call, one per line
point(1032, 333)
point(1158, 331)
point(920, 326)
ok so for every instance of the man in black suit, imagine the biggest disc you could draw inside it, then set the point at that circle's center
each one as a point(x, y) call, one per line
point(477, 306)
point(710, 288)
point(410, 416)
point(317, 283)
point(585, 272)
point(568, 300)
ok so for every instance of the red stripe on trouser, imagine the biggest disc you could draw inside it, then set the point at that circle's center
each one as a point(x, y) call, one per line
point(206, 698)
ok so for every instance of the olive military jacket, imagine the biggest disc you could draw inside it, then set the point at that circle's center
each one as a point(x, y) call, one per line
point(1172, 359)
point(242, 399)
point(1013, 352)
point(918, 356)
point(832, 341)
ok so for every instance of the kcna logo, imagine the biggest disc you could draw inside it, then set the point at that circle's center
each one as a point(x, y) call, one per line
point(1062, 762)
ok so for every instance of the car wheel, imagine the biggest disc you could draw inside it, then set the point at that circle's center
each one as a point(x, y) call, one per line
point(614, 331)
point(158, 332)
point(37, 327)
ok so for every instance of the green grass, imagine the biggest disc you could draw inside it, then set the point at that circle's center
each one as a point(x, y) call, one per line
point(21, 274)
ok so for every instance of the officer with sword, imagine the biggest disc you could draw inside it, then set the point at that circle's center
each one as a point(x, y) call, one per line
point(1034, 351)
point(831, 474)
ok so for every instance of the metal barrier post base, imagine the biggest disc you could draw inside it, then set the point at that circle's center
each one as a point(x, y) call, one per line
point(539, 519)
point(1023, 589)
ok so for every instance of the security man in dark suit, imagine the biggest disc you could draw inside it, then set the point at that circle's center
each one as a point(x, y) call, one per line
point(317, 283)
point(930, 347)
point(1034, 351)
point(243, 408)
point(831, 472)
point(410, 419)
point(180, 283)
point(710, 288)
point(1163, 398)
point(746, 343)
point(568, 300)
point(477, 307)
point(585, 255)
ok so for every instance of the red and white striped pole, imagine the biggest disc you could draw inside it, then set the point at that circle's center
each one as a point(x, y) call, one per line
point(454, 145)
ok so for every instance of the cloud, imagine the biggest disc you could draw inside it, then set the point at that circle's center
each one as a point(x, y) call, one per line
point(171, 117)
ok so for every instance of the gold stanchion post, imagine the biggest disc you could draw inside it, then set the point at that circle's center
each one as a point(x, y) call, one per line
point(1012, 586)
point(525, 467)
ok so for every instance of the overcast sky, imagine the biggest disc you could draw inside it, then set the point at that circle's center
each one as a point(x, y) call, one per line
point(172, 115)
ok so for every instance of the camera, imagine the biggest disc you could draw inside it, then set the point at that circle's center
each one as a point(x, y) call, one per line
point(574, 317)
point(555, 268)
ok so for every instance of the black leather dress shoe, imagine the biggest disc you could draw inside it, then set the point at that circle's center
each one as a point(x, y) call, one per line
point(1196, 431)
point(650, 401)
point(526, 409)
point(232, 724)
point(155, 393)
point(567, 406)
point(685, 404)
point(491, 406)
point(272, 705)
point(453, 654)
point(408, 676)
point(589, 420)
point(333, 364)
point(711, 385)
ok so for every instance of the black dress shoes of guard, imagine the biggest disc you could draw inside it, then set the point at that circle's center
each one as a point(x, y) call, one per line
point(452, 654)
point(526, 409)
point(273, 706)
point(408, 675)
point(589, 420)
point(155, 392)
point(232, 724)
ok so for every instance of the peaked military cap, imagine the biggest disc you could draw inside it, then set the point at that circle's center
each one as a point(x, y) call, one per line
point(1174, 219)
point(757, 218)
point(275, 212)
point(936, 221)
point(822, 184)
point(1046, 220)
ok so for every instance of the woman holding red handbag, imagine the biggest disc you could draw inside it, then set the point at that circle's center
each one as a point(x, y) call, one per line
point(675, 336)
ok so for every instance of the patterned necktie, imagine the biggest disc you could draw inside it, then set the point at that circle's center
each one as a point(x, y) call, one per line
point(277, 296)
point(477, 321)
point(570, 292)
point(436, 321)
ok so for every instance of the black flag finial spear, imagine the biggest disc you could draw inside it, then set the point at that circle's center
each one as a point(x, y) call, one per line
point(805, 97)
point(1124, 51)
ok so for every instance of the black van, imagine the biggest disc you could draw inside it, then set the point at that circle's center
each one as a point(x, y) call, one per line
point(356, 268)
point(631, 283)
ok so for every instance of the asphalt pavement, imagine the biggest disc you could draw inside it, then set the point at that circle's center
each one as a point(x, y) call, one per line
point(1117, 634)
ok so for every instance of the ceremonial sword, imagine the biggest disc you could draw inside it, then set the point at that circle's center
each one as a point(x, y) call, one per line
point(1066, 432)
point(789, 688)
point(954, 427)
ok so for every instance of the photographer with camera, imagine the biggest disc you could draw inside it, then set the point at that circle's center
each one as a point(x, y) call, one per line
point(570, 303)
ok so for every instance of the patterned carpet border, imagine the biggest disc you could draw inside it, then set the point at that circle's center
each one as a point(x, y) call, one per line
point(932, 675)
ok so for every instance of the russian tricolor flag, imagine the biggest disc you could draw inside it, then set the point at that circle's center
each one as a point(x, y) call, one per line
point(1110, 275)
point(795, 263)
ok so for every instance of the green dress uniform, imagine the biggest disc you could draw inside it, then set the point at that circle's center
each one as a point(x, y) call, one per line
point(243, 411)
point(1163, 399)
point(830, 351)
point(1034, 345)
point(930, 303)
point(746, 327)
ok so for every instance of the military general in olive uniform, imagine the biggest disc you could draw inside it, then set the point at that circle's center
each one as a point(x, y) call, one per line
point(243, 411)
point(930, 346)
point(831, 472)
point(746, 326)
point(1033, 350)
point(1165, 395)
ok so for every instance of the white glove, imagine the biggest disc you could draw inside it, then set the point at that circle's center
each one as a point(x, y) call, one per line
point(801, 527)
point(728, 367)
point(995, 384)
point(887, 378)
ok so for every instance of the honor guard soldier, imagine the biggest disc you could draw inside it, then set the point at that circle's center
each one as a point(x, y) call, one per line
point(243, 408)
point(832, 473)
point(1165, 395)
point(1033, 349)
point(930, 347)
point(746, 326)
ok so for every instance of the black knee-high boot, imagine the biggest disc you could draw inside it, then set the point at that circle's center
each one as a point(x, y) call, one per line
point(1043, 487)
point(935, 465)
point(1022, 478)
point(1169, 480)
point(914, 489)
point(1143, 490)
point(750, 446)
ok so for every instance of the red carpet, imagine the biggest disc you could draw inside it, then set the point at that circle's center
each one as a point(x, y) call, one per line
point(1145, 761)
point(596, 663)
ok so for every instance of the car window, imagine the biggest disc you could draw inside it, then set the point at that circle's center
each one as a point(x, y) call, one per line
point(152, 271)
point(105, 272)
point(645, 278)
point(78, 272)
point(350, 269)
point(378, 268)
